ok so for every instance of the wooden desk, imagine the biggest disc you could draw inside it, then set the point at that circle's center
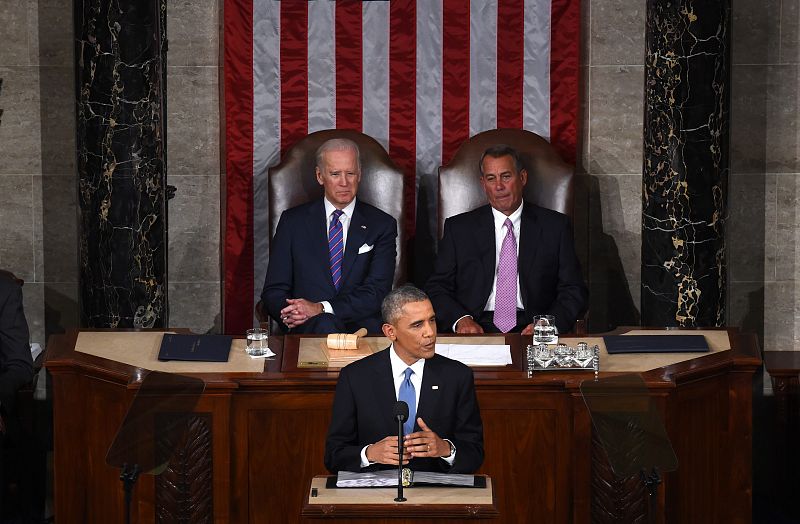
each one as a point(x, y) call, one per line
point(262, 434)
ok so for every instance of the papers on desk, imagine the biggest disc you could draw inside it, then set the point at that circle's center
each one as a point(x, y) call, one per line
point(388, 478)
point(477, 354)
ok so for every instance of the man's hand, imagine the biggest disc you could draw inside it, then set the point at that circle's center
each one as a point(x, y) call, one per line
point(385, 452)
point(426, 443)
point(298, 311)
point(528, 331)
point(468, 325)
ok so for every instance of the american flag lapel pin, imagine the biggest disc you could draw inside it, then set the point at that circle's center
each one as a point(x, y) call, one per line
point(434, 387)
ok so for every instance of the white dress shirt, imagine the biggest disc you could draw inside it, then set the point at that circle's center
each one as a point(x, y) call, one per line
point(345, 218)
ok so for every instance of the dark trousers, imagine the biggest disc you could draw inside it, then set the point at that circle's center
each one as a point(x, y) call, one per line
point(486, 320)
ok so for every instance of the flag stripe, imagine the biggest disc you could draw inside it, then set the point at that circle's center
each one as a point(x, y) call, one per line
point(238, 259)
point(429, 103)
point(510, 46)
point(348, 65)
point(375, 53)
point(455, 63)
point(564, 55)
point(322, 88)
point(483, 66)
point(266, 88)
point(536, 90)
point(294, 72)
point(402, 96)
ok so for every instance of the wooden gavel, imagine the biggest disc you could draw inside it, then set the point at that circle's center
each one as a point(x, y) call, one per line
point(345, 340)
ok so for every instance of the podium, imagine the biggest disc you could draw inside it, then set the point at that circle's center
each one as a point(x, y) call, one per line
point(259, 428)
point(424, 504)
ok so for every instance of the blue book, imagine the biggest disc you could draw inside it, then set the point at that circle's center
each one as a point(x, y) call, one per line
point(198, 348)
point(655, 344)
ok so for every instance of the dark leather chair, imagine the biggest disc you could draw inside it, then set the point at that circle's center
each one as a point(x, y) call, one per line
point(550, 179)
point(292, 182)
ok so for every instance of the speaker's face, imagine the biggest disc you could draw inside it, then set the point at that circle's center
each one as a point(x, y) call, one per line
point(413, 332)
point(502, 183)
point(339, 176)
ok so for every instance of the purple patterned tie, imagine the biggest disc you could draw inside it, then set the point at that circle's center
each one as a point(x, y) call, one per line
point(505, 298)
point(336, 247)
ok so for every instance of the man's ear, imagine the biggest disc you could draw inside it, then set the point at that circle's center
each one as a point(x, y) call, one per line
point(523, 174)
point(388, 331)
point(318, 174)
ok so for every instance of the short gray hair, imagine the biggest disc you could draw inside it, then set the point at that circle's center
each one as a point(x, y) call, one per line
point(392, 305)
point(338, 144)
point(499, 151)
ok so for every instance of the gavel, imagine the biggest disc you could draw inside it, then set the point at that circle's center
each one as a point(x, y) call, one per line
point(345, 340)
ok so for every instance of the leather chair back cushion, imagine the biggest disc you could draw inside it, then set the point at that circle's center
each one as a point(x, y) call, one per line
point(292, 182)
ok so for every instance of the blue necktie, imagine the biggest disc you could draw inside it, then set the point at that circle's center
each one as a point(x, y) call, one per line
point(336, 247)
point(407, 394)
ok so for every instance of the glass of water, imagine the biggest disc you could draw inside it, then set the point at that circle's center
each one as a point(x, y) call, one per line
point(257, 342)
point(544, 329)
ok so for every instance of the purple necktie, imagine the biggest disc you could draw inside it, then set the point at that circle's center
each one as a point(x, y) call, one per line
point(336, 247)
point(505, 298)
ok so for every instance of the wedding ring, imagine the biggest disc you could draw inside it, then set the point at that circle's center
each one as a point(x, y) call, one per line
point(429, 447)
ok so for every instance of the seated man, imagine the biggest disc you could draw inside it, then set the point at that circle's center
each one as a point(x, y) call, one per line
point(502, 263)
point(443, 433)
point(16, 364)
point(332, 260)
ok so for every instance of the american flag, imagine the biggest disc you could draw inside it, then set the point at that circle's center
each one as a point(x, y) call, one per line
point(418, 76)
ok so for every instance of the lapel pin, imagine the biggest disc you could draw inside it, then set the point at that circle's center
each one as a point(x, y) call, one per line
point(434, 387)
point(363, 226)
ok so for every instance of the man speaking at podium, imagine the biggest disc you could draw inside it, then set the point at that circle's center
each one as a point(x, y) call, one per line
point(443, 432)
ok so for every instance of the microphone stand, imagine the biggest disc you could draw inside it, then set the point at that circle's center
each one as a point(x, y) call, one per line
point(400, 497)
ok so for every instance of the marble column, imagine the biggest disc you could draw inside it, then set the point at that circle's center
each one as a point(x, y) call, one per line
point(685, 178)
point(120, 78)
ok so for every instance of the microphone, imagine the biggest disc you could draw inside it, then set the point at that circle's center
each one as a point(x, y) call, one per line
point(401, 411)
point(400, 414)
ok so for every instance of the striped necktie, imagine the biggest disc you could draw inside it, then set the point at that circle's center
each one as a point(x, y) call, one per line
point(336, 247)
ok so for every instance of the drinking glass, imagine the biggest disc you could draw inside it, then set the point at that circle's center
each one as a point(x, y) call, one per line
point(544, 330)
point(257, 342)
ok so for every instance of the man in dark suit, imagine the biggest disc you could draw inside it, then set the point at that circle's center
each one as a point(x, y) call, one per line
point(502, 263)
point(332, 260)
point(16, 365)
point(444, 432)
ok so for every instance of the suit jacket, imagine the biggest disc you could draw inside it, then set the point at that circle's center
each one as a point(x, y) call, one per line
point(364, 404)
point(299, 266)
point(549, 272)
point(16, 365)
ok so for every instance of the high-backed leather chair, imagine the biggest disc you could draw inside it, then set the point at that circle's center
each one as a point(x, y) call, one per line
point(292, 182)
point(550, 179)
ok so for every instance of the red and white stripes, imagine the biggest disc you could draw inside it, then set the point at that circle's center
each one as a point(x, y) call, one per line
point(419, 76)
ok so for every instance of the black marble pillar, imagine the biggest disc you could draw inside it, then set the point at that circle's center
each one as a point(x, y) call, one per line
point(684, 185)
point(120, 88)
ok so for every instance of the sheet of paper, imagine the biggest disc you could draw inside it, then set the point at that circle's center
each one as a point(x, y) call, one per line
point(477, 354)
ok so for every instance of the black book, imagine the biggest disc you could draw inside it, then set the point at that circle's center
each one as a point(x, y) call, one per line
point(199, 348)
point(655, 344)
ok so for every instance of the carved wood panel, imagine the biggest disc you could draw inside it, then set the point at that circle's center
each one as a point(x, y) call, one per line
point(184, 491)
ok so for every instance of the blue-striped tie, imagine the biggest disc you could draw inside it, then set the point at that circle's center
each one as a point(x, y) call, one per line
point(336, 247)
point(408, 394)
